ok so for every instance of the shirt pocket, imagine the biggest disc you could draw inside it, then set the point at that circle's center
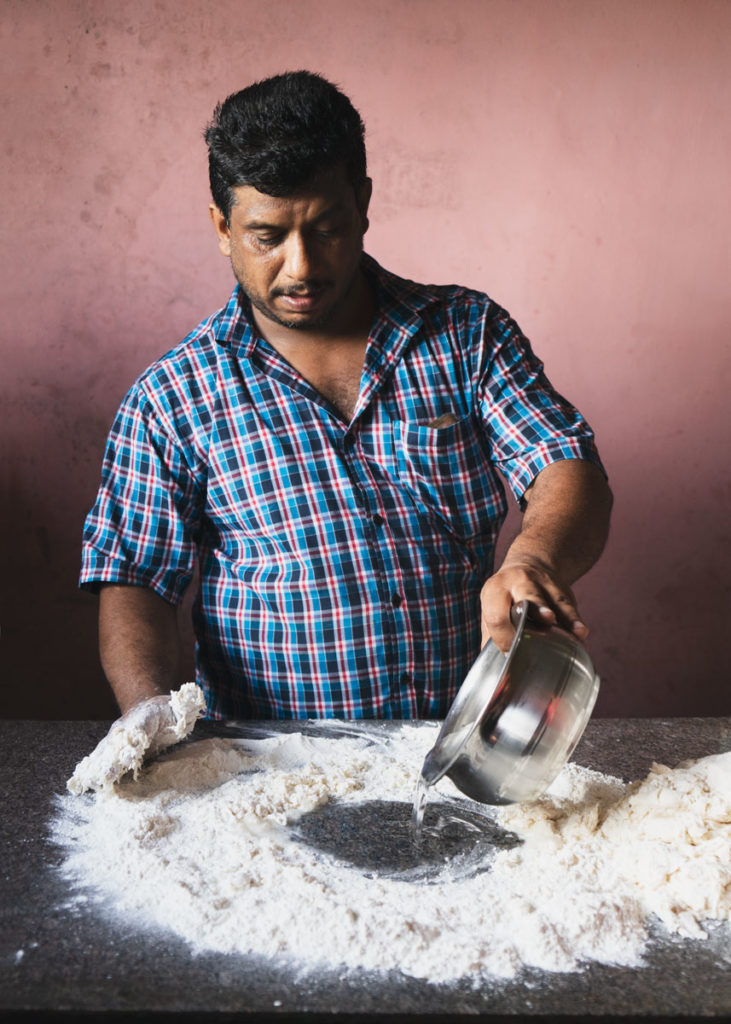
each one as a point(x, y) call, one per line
point(448, 472)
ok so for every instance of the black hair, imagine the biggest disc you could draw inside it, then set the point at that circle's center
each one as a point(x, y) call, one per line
point(279, 134)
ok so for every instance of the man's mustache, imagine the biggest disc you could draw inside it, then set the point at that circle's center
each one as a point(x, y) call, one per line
point(306, 288)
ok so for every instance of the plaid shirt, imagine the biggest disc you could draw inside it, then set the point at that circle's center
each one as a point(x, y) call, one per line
point(340, 564)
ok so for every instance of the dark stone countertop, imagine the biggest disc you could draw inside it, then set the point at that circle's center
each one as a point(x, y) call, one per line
point(58, 960)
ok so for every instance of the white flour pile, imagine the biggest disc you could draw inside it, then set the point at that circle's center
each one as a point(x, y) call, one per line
point(204, 843)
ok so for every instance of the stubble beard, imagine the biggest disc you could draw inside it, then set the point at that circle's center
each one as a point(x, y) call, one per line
point(293, 325)
point(318, 323)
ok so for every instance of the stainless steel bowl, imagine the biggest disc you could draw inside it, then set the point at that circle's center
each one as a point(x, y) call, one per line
point(517, 717)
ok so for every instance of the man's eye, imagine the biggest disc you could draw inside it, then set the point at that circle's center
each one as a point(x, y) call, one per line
point(267, 240)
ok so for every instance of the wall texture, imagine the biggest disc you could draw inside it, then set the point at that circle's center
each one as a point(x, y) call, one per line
point(570, 157)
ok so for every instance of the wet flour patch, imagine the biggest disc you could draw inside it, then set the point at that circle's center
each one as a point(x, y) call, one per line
point(377, 838)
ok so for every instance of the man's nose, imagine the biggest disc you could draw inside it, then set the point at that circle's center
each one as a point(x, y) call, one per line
point(300, 260)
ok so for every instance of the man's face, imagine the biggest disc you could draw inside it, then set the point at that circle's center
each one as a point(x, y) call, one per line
point(297, 258)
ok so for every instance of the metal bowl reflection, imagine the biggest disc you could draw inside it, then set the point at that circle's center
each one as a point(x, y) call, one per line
point(517, 717)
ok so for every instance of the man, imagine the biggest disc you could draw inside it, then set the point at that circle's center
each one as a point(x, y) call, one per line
point(326, 449)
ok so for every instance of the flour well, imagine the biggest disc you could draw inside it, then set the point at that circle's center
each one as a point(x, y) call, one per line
point(208, 843)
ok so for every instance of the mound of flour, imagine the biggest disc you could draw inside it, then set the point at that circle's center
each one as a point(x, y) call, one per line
point(205, 843)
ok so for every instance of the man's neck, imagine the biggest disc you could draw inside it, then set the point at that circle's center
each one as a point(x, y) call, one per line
point(331, 358)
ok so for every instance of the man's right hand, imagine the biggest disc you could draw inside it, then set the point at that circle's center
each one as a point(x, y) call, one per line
point(141, 733)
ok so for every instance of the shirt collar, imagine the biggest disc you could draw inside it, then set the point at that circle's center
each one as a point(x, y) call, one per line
point(233, 326)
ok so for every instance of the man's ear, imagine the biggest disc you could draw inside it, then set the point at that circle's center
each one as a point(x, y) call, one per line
point(222, 229)
point(362, 200)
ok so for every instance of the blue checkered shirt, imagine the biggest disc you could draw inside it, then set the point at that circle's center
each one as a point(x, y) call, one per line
point(339, 564)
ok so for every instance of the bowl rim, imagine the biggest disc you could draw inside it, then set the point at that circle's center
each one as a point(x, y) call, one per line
point(519, 616)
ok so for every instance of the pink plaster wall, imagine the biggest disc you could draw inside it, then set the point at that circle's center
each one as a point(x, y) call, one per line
point(570, 157)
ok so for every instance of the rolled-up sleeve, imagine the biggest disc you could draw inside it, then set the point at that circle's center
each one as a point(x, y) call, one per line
point(529, 424)
point(143, 525)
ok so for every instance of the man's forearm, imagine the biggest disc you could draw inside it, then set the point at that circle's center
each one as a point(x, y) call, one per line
point(138, 643)
point(564, 530)
point(566, 522)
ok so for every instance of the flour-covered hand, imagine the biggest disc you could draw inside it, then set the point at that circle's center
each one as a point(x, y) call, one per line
point(143, 732)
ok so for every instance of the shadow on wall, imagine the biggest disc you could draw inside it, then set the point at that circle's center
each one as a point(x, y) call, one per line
point(48, 650)
point(670, 585)
point(661, 584)
point(49, 660)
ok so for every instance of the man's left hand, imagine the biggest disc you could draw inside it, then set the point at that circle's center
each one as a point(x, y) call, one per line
point(564, 530)
point(553, 602)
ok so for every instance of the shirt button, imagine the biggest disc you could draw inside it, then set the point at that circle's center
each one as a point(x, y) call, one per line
point(396, 600)
point(378, 520)
point(405, 679)
point(349, 440)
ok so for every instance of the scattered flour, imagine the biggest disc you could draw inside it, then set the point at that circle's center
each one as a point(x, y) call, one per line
point(204, 843)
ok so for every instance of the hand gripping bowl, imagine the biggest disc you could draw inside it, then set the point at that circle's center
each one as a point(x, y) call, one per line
point(517, 717)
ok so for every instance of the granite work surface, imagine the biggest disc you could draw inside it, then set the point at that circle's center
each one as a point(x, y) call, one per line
point(56, 961)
